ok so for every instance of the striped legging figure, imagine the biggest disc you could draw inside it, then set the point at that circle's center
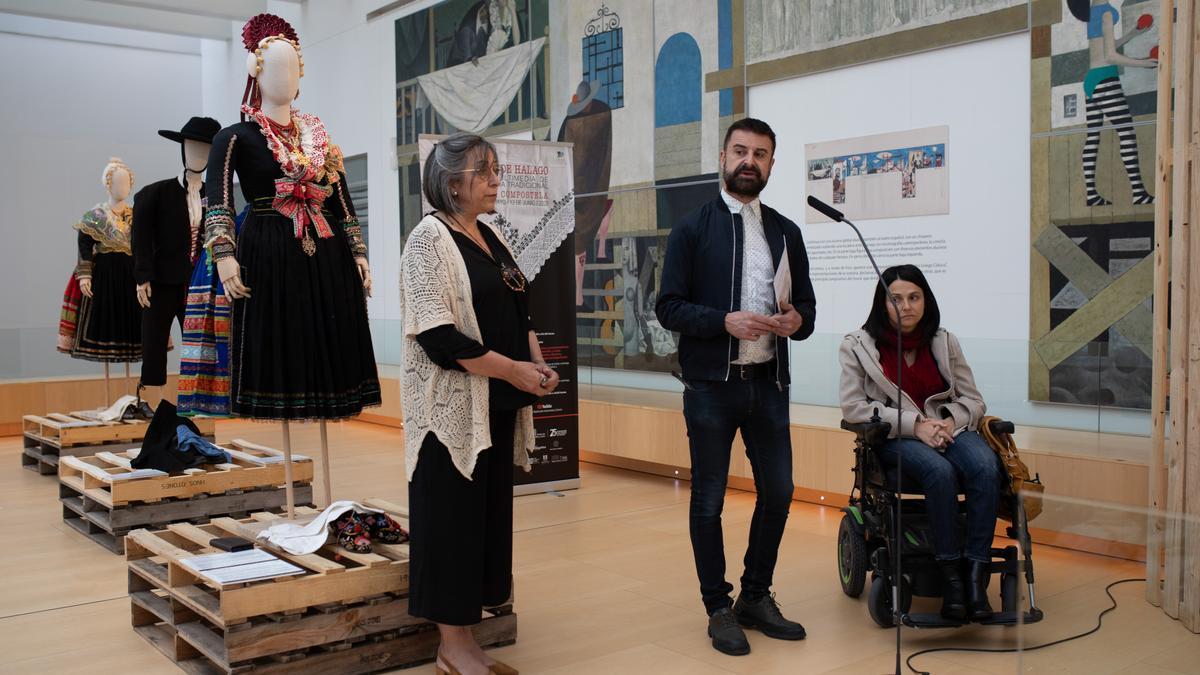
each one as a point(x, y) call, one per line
point(1106, 100)
point(1105, 97)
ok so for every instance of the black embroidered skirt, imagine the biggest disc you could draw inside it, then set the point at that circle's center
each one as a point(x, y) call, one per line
point(300, 344)
point(110, 322)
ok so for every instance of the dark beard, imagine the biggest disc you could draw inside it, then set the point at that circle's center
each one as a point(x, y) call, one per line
point(743, 185)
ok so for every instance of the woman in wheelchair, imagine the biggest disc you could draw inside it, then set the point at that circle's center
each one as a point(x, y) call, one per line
point(933, 426)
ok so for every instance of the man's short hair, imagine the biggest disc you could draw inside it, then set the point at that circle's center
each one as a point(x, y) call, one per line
point(754, 126)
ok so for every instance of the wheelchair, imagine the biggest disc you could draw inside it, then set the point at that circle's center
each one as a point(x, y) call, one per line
point(867, 540)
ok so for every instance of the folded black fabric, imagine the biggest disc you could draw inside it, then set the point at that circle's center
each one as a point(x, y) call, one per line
point(160, 447)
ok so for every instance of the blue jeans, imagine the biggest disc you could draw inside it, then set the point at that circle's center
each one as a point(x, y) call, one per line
point(714, 412)
point(968, 463)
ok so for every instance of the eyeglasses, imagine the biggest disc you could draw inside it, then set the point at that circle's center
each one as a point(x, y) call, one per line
point(485, 169)
point(513, 278)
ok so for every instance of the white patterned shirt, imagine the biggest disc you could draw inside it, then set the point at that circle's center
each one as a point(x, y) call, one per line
point(758, 278)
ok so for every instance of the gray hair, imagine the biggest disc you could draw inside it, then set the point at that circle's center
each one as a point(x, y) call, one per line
point(446, 164)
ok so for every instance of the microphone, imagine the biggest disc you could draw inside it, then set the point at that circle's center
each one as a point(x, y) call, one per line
point(826, 210)
point(833, 214)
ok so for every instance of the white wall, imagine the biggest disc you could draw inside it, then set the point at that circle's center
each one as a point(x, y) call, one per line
point(987, 228)
point(69, 105)
point(981, 91)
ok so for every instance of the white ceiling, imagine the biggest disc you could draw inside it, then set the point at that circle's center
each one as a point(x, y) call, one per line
point(188, 18)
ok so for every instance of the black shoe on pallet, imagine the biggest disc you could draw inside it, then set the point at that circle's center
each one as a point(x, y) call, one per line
point(727, 636)
point(764, 615)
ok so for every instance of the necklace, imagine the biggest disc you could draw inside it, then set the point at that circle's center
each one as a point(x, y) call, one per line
point(511, 275)
point(301, 148)
point(124, 216)
point(478, 240)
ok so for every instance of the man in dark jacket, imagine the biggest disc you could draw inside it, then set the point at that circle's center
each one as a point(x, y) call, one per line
point(719, 292)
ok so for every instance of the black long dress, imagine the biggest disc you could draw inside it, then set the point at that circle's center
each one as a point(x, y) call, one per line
point(301, 344)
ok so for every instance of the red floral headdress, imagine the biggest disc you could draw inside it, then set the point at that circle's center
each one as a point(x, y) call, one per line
point(257, 29)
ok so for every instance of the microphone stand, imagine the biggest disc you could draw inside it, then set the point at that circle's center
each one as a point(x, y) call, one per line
point(832, 213)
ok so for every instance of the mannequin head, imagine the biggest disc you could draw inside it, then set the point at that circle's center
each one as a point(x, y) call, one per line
point(195, 155)
point(277, 66)
point(117, 179)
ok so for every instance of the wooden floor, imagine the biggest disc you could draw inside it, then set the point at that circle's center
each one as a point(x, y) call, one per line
point(604, 584)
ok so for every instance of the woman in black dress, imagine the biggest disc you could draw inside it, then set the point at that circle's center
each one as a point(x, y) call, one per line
point(472, 370)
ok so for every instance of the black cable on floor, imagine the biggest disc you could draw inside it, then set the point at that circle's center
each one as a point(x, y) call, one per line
point(1099, 622)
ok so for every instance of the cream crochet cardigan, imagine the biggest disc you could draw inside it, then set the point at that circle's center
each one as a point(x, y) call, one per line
point(434, 291)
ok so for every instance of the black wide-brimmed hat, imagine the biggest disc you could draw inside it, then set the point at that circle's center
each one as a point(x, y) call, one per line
point(197, 129)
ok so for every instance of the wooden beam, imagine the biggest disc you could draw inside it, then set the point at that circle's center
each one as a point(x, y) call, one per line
point(1189, 612)
point(1155, 527)
point(1174, 544)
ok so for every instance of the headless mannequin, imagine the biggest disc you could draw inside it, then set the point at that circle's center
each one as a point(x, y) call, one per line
point(119, 187)
point(279, 85)
point(195, 161)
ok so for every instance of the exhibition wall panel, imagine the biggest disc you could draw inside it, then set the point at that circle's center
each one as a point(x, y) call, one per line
point(69, 105)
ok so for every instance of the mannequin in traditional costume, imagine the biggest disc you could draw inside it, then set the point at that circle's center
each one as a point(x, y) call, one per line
point(297, 273)
point(101, 319)
point(167, 221)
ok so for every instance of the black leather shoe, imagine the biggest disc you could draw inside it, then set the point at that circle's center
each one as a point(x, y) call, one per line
point(954, 603)
point(727, 636)
point(764, 615)
point(141, 409)
point(144, 411)
point(978, 607)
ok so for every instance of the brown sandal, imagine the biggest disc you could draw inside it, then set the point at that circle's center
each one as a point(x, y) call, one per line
point(449, 668)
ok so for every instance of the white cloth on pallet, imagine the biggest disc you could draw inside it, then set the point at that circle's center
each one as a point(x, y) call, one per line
point(301, 539)
point(471, 96)
point(113, 413)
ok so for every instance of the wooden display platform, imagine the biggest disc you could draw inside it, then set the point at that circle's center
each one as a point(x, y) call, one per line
point(109, 478)
point(348, 613)
point(50, 437)
point(104, 498)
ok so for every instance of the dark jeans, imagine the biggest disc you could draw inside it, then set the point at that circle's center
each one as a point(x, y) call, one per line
point(714, 412)
point(969, 464)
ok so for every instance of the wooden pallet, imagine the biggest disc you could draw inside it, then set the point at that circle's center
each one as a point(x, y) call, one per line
point(110, 479)
point(108, 525)
point(348, 613)
point(104, 498)
point(50, 437)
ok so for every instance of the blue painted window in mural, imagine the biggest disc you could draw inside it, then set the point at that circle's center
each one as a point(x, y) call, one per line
point(677, 82)
point(725, 50)
point(604, 62)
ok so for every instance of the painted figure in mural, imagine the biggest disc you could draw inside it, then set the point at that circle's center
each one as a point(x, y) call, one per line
point(1105, 97)
point(486, 28)
point(719, 292)
point(934, 426)
point(588, 124)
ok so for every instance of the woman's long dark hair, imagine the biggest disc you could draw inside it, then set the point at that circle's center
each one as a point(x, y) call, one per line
point(1082, 9)
point(878, 326)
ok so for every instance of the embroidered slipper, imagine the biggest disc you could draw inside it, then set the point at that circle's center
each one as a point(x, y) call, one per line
point(383, 528)
point(351, 533)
